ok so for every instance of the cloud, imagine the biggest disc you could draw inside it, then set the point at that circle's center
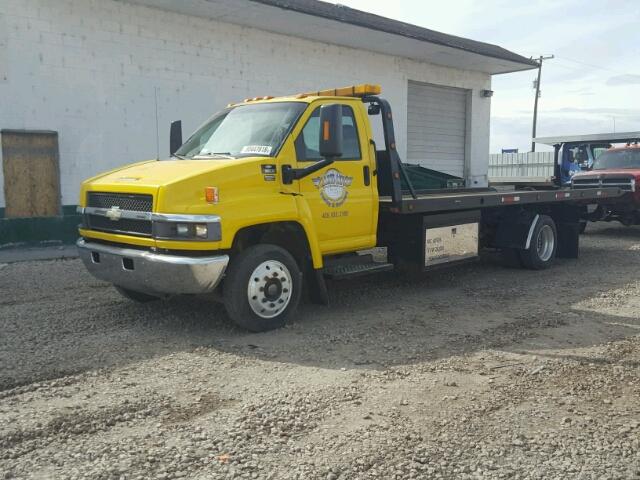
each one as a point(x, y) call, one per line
point(591, 42)
point(515, 131)
point(628, 79)
point(597, 111)
point(582, 92)
point(631, 112)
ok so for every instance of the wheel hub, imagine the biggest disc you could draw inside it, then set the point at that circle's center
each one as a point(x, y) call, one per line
point(269, 289)
point(273, 289)
point(545, 243)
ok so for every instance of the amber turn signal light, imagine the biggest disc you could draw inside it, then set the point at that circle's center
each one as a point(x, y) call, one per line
point(211, 194)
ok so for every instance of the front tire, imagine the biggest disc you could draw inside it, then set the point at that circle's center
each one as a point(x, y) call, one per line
point(542, 249)
point(262, 288)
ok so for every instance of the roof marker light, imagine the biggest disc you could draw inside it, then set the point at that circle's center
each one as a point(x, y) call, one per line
point(361, 90)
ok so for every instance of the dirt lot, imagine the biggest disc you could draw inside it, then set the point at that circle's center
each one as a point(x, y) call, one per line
point(478, 372)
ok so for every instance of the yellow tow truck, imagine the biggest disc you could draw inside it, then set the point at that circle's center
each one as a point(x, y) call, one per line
point(271, 196)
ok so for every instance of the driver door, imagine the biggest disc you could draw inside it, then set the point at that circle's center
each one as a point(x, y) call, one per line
point(340, 197)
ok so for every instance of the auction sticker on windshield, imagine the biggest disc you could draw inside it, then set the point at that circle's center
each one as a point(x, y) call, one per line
point(260, 149)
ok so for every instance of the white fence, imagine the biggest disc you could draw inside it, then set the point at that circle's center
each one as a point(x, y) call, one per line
point(531, 166)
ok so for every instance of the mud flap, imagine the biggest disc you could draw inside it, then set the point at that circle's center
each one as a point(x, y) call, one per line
point(317, 287)
point(567, 218)
point(514, 229)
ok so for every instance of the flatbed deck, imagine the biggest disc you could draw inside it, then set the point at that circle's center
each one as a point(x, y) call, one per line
point(459, 200)
point(539, 181)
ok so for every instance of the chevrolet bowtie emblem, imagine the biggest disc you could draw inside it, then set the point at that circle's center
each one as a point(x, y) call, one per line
point(114, 213)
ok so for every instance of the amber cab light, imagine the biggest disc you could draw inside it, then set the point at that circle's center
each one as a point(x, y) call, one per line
point(211, 194)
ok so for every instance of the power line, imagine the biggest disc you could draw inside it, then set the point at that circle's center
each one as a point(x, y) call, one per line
point(587, 64)
point(572, 68)
point(580, 62)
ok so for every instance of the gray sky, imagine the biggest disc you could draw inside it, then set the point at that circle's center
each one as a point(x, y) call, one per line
point(594, 79)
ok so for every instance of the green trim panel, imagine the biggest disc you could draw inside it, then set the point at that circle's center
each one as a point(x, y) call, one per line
point(40, 230)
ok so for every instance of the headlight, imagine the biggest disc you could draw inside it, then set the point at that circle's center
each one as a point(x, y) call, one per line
point(182, 229)
point(166, 230)
point(201, 230)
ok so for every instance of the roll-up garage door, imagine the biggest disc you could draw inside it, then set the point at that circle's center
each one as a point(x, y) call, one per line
point(437, 125)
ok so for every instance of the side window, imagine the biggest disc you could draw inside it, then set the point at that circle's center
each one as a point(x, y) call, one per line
point(308, 141)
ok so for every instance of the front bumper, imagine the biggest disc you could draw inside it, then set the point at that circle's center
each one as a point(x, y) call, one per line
point(153, 273)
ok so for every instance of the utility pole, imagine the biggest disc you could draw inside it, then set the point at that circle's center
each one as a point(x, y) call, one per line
point(535, 104)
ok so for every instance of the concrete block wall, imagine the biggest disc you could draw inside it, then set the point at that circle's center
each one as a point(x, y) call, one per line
point(97, 71)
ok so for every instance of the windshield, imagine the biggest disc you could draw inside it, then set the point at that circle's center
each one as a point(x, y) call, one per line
point(627, 158)
point(245, 130)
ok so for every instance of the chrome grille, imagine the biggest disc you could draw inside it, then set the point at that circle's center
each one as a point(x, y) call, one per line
point(125, 201)
point(625, 183)
point(124, 225)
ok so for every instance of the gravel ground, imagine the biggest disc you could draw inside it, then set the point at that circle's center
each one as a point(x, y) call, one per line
point(482, 371)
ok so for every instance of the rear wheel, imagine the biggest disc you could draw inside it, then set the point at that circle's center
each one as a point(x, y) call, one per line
point(542, 248)
point(135, 296)
point(262, 288)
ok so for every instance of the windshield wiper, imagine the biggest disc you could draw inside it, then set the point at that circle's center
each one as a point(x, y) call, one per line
point(214, 155)
point(179, 157)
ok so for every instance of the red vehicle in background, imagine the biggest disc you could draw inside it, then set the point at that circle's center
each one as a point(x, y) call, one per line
point(619, 167)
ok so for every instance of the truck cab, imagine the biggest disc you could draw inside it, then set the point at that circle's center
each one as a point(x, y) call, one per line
point(260, 172)
point(577, 157)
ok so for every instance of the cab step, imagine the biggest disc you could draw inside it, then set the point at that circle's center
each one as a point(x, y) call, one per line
point(355, 269)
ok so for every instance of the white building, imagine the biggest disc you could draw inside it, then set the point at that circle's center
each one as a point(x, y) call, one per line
point(109, 76)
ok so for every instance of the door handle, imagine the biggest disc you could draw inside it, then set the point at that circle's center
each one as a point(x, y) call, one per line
point(367, 175)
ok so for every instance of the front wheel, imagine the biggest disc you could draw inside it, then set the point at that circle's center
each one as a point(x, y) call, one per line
point(262, 288)
point(543, 245)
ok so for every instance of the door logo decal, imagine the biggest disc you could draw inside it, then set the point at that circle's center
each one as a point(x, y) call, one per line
point(333, 187)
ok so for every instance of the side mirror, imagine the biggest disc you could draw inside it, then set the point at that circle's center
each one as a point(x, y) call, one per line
point(330, 144)
point(330, 131)
point(175, 136)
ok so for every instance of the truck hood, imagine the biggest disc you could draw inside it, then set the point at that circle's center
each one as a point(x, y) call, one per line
point(618, 172)
point(178, 186)
point(154, 174)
